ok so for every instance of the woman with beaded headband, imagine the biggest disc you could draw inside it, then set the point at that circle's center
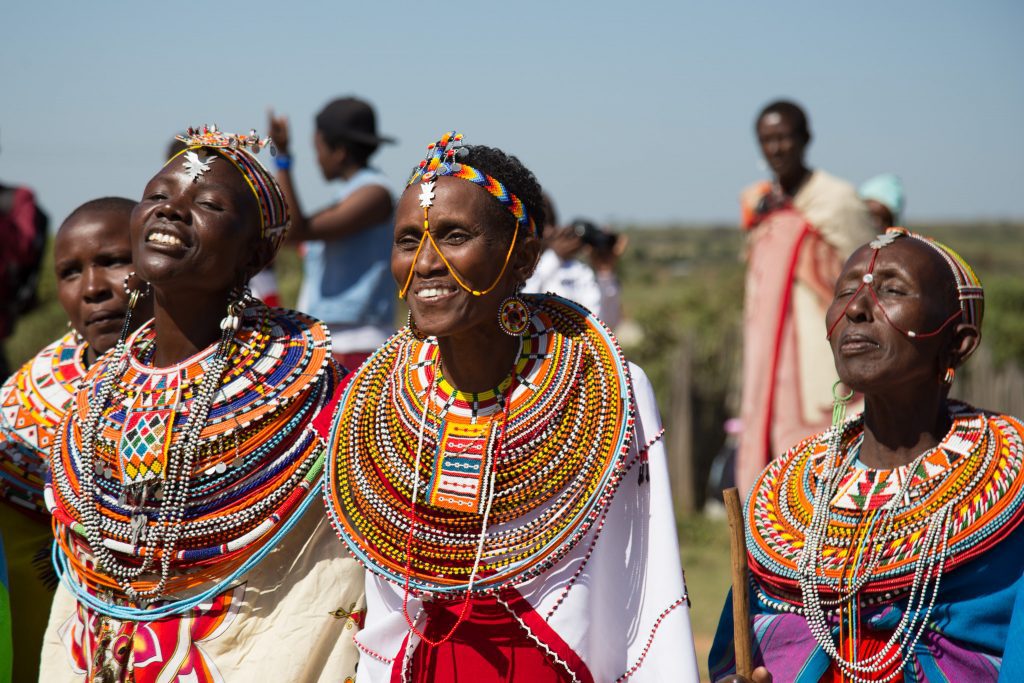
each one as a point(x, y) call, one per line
point(891, 546)
point(92, 257)
point(496, 465)
point(183, 473)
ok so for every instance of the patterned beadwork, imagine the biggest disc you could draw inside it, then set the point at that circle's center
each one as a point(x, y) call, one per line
point(32, 403)
point(977, 468)
point(568, 430)
point(259, 459)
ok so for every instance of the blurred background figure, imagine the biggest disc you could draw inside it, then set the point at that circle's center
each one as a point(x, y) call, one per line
point(885, 199)
point(560, 269)
point(347, 252)
point(801, 226)
point(92, 256)
point(22, 240)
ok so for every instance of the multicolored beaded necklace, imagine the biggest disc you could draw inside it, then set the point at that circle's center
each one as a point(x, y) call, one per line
point(32, 403)
point(257, 464)
point(875, 536)
point(540, 456)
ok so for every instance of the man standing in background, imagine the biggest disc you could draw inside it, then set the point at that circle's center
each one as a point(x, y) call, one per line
point(801, 226)
point(346, 263)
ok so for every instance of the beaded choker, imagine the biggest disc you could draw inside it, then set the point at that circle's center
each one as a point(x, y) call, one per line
point(32, 403)
point(257, 464)
point(540, 456)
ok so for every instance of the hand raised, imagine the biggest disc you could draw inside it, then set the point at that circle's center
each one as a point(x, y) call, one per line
point(278, 130)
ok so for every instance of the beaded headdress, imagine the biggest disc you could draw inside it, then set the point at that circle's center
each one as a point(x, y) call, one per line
point(969, 291)
point(240, 150)
point(443, 160)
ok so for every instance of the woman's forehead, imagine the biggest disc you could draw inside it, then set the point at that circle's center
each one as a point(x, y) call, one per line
point(906, 256)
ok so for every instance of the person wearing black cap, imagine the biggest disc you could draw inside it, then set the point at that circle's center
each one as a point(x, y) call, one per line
point(346, 263)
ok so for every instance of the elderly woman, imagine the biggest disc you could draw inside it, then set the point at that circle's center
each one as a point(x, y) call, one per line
point(92, 256)
point(497, 466)
point(890, 547)
point(183, 473)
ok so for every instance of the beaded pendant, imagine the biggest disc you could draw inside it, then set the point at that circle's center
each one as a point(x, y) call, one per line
point(462, 466)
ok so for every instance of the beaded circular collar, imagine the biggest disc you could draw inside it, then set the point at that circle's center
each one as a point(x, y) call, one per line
point(555, 457)
point(32, 403)
point(260, 460)
point(976, 469)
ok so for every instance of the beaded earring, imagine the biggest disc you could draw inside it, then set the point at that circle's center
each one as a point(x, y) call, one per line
point(79, 339)
point(411, 324)
point(513, 314)
point(947, 379)
point(133, 300)
point(239, 298)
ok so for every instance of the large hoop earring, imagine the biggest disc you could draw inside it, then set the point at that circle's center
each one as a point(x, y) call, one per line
point(514, 315)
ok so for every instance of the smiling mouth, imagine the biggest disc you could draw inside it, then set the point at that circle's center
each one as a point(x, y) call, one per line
point(434, 293)
point(164, 237)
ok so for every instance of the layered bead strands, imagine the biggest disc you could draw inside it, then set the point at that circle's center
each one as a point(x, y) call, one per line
point(568, 427)
point(828, 537)
point(32, 403)
point(254, 464)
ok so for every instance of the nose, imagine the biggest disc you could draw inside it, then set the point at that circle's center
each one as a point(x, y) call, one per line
point(95, 286)
point(429, 261)
point(862, 303)
point(171, 209)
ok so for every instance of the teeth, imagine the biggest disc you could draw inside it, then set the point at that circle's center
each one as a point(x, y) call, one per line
point(433, 292)
point(164, 238)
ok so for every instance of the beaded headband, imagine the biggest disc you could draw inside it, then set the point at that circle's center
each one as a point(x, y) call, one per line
point(443, 160)
point(240, 150)
point(969, 291)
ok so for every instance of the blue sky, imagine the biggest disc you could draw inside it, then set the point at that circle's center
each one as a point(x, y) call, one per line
point(626, 111)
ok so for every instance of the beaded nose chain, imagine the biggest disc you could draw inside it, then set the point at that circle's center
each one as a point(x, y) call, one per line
point(467, 601)
point(443, 160)
point(867, 281)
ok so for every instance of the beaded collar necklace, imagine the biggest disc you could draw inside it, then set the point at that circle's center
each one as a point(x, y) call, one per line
point(167, 469)
point(540, 457)
point(840, 537)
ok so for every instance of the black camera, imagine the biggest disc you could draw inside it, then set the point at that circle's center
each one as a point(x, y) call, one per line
point(589, 233)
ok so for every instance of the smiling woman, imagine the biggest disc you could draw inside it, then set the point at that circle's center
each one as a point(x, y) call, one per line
point(183, 473)
point(891, 547)
point(497, 466)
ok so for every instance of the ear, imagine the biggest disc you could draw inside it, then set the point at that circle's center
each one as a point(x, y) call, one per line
point(524, 258)
point(966, 338)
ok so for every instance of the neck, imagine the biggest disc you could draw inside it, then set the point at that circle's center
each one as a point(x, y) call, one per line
point(477, 361)
point(185, 325)
point(897, 430)
point(791, 182)
point(348, 170)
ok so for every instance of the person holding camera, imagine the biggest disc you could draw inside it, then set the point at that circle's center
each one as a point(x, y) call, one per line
point(560, 270)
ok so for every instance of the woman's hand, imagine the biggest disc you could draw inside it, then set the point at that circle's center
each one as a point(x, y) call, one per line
point(759, 675)
point(278, 131)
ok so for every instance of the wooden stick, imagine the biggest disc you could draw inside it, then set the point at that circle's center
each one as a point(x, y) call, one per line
point(740, 588)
